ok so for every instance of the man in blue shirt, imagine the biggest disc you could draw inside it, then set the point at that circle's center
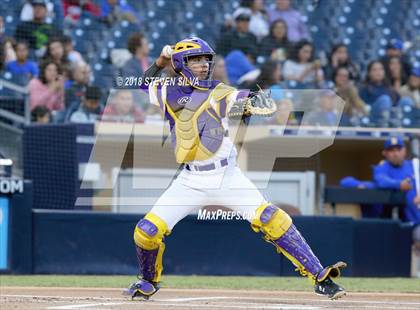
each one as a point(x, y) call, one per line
point(396, 172)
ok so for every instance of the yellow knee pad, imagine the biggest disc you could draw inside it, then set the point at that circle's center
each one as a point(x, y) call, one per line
point(150, 231)
point(272, 221)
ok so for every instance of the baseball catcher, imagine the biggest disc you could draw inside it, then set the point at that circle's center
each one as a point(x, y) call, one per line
point(198, 114)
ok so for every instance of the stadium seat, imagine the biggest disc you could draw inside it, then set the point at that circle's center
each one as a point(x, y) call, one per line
point(104, 74)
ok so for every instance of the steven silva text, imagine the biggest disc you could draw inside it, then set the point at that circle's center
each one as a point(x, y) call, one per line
point(163, 81)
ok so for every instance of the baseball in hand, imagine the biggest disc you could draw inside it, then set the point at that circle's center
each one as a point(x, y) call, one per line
point(167, 51)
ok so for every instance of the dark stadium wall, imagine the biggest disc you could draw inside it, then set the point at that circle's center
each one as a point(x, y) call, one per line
point(50, 162)
point(80, 242)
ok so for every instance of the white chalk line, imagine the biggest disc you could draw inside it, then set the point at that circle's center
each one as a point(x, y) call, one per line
point(233, 305)
point(365, 303)
point(69, 307)
point(189, 305)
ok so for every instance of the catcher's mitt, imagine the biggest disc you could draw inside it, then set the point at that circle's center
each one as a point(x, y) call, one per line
point(258, 103)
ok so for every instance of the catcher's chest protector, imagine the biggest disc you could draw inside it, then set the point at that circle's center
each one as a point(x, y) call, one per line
point(196, 127)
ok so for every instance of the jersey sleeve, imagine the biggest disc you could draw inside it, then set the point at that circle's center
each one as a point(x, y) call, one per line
point(225, 96)
point(153, 89)
point(383, 180)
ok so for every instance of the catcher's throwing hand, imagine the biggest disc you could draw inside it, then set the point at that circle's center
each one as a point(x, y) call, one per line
point(165, 56)
point(259, 103)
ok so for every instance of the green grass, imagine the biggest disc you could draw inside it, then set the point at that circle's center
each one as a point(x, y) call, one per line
point(254, 283)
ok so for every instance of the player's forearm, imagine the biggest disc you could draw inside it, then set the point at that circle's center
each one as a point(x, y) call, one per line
point(383, 181)
point(160, 63)
point(153, 71)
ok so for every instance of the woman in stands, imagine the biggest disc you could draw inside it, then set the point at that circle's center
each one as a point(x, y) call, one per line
point(354, 107)
point(48, 89)
point(270, 76)
point(395, 73)
point(412, 88)
point(276, 45)
point(339, 57)
point(57, 53)
point(301, 67)
point(379, 95)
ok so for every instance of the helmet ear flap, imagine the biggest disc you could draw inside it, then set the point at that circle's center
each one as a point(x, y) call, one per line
point(177, 63)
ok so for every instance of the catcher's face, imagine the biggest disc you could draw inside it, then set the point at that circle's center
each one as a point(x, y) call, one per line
point(199, 66)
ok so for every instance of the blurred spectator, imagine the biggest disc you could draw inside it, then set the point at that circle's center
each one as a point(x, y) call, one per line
point(73, 9)
point(22, 66)
point(354, 107)
point(377, 93)
point(258, 24)
point(48, 89)
point(395, 73)
point(54, 12)
point(237, 66)
point(91, 109)
point(325, 113)
point(2, 45)
point(339, 57)
point(396, 172)
point(412, 88)
point(80, 78)
point(121, 108)
point(285, 114)
point(41, 115)
point(219, 73)
point(139, 48)
point(296, 28)
point(276, 45)
point(239, 38)
point(37, 32)
point(2, 28)
point(55, 52)
point(301, 67)
point(269, 76)
point(113, 11)
point(268, 79)
point(7, 50)
point(73, 56)
point(395, 49)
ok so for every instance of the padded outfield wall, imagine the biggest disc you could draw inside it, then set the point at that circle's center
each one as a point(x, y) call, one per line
point(85, 242)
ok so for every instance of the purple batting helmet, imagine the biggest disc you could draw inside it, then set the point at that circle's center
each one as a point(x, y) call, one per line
point(193, 47)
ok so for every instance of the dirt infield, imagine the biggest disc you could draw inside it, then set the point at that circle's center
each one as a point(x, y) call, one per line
point(89, 298)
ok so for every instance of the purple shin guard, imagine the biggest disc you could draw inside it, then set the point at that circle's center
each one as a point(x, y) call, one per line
point(147, 258)
point(295, 245)
point(147, 262)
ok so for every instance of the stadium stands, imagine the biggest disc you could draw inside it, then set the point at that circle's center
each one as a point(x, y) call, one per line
point(365, 27)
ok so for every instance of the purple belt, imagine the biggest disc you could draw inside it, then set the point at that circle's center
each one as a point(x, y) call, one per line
point(212, 166)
